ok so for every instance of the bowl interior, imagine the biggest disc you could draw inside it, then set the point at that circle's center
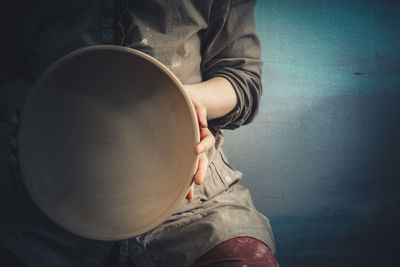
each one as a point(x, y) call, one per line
point(107, 143)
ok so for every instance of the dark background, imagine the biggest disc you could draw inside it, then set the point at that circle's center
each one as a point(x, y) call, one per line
point(322, 158)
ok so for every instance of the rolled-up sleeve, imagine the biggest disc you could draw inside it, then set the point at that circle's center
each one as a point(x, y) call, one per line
point(232, 50)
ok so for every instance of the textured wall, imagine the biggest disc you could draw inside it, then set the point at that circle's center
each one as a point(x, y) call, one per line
point(322, 158)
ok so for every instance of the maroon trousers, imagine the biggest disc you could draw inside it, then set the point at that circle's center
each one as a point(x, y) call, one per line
point(239, 251)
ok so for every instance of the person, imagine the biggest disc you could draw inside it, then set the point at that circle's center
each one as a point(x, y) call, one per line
point(213, 48)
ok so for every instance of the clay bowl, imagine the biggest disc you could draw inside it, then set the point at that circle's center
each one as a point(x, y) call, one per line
point(107, 142)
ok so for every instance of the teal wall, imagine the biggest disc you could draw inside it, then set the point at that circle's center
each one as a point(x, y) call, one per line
point(322, 158)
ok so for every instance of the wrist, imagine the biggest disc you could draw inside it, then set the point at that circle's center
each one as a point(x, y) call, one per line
point(216, 95)
point(194, 92)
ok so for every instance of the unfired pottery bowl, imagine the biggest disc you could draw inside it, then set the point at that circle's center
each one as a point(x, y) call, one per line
point(107, 141)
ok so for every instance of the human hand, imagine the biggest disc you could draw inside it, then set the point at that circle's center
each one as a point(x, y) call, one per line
point(207, 140)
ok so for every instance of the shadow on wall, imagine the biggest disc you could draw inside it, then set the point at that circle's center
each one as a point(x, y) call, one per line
point(327, 175)
point(322, 158)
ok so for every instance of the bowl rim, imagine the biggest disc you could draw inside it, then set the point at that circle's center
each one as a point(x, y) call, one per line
point(196, 138)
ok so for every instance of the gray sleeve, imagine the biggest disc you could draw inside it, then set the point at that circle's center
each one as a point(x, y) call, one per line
point(231, 49)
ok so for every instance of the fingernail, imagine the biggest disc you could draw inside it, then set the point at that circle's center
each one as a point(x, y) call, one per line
point(198, 181)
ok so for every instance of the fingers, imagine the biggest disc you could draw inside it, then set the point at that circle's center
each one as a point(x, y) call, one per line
point(207, 140)
point(201, 169)
point(200, 174)
point(201, 112)
point(190, 193)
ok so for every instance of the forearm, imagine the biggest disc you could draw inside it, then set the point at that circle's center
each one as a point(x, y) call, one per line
point(216, 94)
